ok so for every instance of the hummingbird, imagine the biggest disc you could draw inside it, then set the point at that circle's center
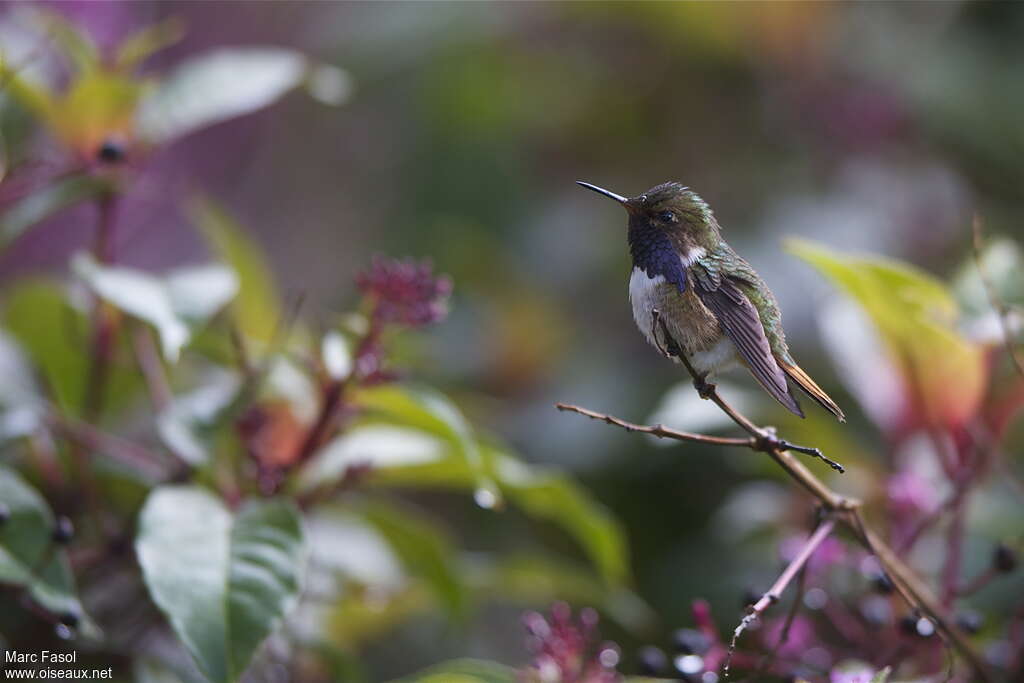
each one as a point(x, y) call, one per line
point(692, 293)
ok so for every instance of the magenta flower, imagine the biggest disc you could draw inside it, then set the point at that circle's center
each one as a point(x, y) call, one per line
point(405, 292)
point(567, 650)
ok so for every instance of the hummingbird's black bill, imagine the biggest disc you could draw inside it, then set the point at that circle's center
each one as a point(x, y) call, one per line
point(607, 193)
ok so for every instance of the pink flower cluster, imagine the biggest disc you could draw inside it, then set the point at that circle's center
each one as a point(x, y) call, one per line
point(405, 292)
point(566, 650)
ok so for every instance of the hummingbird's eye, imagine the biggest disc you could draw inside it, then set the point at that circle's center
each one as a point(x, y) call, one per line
point(667, 216)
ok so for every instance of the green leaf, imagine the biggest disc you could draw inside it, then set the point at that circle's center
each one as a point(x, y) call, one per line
point(549, 494)
point(53, 335)
point(34, 97)
point(464, 671)
point(148, 40)
point(424, 551)
point(224, 581)
point(50, 200)
point(218, 86)
point(381, 446)
point(75, 44)
point(28, 558)
point(257, 308)
point(432, 412)
point(914, 315)
point(184, 425)
point(407, 456)
point(21, 403)
point(882, 676)
point(171, 304)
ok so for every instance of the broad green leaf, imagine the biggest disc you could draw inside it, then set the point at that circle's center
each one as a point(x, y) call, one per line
point(218, 86)
point(27, 556)
point(138, 294)
point(548, 494)
point(224, 581)
point(381, 446)
point(50, 200)
point(198, 292)
point(432, 412)
point(183, 426)
point(170, 304)
point(915, 316)
point(464, 671)
point(404, 456)
point(542, 493)
point(53, 335)
point(257, 308)
point(424, 551)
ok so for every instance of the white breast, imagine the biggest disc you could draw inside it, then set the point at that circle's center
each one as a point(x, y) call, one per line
point(643, 294)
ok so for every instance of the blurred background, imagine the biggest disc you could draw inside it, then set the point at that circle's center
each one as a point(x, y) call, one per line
point(865, 127)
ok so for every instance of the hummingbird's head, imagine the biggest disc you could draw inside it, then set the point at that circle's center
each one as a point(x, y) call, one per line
point(672, 208)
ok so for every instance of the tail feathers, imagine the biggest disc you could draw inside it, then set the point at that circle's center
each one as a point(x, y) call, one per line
point(810, 387)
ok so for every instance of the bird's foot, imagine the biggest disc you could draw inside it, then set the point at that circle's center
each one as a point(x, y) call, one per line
point(655, 322)
point(671, 349)
point(704, 388)
point(769, 441)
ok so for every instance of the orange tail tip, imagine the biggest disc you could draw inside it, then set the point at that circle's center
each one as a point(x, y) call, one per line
point(811, 388)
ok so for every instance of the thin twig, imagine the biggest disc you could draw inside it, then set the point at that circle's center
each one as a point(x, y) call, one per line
point(658, 430)
point(1001, 309)
point(929, 520)
point(148, 359)
point(770, 657)
point(773, 594)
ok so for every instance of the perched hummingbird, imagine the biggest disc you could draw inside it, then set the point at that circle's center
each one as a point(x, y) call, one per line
point(714, 307)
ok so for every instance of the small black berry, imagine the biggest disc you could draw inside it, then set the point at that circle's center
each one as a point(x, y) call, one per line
point(110, 152)
point(970, 621)
point(1004, 558)
point(882, 583)
point(63, 531)
point(652, 660)
point(690, 641)
point(69, 618)
point(908, 624)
